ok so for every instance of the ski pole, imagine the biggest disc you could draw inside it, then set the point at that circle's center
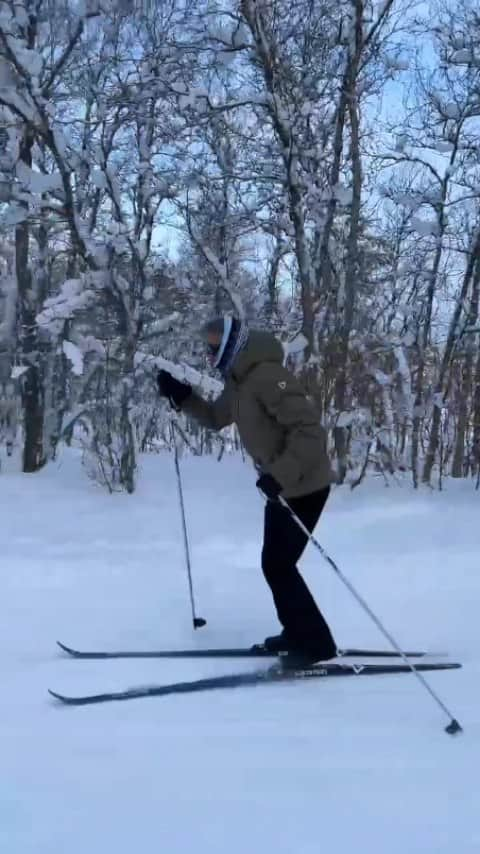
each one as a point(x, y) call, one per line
point(454, 726)
point(198, 622)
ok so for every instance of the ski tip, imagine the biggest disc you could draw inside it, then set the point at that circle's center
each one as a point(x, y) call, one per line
point(66, 701)
point(66, 649)
point(57, 696)
point(69, 651)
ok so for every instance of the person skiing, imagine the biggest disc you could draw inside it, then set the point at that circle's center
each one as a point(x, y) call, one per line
point(279, 428)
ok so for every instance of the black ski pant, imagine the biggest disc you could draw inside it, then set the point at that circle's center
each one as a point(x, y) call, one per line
point(283, 545)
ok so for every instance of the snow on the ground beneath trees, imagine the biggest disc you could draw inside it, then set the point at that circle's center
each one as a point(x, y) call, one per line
point(339, 767)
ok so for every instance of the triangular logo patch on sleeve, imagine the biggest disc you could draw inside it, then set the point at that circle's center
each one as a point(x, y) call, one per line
point(282, 385)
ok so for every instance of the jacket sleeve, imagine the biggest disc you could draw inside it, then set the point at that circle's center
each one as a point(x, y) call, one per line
point(215, 415)
point(285, 400)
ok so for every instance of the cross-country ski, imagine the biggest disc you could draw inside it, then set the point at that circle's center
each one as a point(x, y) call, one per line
point(257, 677)
point(254, 651)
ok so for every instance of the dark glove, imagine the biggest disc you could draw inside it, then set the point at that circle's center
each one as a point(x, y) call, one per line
point(269, 486)
point(172, 388)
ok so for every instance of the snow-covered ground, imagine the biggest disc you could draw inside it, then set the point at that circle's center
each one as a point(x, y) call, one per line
point(343, 767)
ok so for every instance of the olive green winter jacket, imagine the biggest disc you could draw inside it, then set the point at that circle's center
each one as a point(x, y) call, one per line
point(278, 425)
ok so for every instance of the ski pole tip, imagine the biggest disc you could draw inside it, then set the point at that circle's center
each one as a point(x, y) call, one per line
point(453, 727)
point(199, 623)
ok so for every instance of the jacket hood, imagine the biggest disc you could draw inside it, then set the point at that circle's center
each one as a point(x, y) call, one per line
point(261, 347)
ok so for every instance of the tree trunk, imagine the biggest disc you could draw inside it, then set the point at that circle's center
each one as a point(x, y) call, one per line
point(417, 422)
point(127, 456)
point(473, 346)
point(352, 260)
point(447, 356)
point(458, 464)
point(267, 56)
point(33, 392)
point(476, 420)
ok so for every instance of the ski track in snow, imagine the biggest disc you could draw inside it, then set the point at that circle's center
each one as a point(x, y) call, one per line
point(361, 766)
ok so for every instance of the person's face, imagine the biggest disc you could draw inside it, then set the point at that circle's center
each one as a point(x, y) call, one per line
point(214, 340)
